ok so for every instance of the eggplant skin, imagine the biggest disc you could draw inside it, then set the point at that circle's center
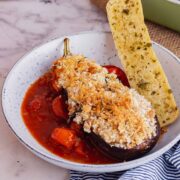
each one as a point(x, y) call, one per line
point(121, 154)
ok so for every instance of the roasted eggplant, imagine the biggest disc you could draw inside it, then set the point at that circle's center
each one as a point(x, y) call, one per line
point(120, 153)
point(118, 121)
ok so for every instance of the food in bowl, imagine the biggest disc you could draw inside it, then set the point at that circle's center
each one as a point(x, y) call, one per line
point(87, 113)
point(80, 107)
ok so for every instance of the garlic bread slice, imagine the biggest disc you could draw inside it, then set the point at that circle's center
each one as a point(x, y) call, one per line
point(138, 58)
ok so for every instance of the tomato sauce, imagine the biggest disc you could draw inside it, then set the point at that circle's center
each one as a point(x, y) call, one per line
point(40, 119)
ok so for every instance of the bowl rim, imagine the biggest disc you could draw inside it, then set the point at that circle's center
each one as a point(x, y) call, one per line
point(75, 165)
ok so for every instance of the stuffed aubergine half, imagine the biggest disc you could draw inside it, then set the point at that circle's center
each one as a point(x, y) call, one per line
point(116, 119)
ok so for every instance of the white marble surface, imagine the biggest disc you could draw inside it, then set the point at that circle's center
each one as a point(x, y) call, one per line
point(23, 25)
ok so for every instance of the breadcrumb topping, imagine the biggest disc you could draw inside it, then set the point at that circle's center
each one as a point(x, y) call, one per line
point(102, 104)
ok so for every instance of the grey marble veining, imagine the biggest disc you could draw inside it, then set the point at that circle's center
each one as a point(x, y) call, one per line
point(25, 24)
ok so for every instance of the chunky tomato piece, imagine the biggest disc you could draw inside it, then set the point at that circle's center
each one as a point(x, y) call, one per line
point(119, 72)
point(59, 107)
point(64, 136)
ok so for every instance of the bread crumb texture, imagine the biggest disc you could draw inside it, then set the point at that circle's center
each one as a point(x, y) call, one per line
point(102, 104)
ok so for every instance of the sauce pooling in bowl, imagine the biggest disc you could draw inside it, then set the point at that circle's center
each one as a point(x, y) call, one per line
point(42, 121)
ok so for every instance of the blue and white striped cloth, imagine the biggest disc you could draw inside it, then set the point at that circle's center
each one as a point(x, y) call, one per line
point(166, 167)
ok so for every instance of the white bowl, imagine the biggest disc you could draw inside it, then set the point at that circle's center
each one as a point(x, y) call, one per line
point(98, 46)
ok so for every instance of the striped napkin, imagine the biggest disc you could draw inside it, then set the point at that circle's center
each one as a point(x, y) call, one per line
point(166, 167)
